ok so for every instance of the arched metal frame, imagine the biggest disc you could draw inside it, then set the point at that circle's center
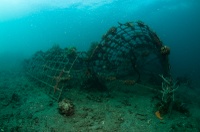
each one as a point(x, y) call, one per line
point(131, 49)
point(130, 53)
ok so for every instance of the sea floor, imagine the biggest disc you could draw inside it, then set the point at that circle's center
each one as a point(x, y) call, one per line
point(25, 107)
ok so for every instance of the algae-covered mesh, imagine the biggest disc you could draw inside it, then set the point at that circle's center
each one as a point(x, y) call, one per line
point(129, 53)
point(56, 69)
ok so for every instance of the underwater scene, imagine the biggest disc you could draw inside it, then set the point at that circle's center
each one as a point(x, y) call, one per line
point(99, 66)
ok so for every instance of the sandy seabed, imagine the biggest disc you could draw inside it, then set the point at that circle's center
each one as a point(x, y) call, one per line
point(25, 107)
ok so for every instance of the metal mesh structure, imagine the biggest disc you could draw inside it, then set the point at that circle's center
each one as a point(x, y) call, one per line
point(131, 53)
point(56, 69)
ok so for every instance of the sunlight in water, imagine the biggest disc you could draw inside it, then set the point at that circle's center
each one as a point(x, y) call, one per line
point(10, 9)
point(17, 8)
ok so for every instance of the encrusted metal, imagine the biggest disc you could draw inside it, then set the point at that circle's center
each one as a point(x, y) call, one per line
point(129, 53)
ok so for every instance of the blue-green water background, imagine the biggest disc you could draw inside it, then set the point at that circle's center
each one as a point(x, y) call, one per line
point(177, 23)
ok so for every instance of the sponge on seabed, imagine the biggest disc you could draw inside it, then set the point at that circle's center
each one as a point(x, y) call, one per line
point(158, 115)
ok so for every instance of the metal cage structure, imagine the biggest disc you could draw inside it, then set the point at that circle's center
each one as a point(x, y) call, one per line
point(131, 50)
point(56, 68)
point(129, 53)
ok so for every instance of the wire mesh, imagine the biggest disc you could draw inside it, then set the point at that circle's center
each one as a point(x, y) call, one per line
point(55, 68)
point(131, 50)
point(127, 54)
